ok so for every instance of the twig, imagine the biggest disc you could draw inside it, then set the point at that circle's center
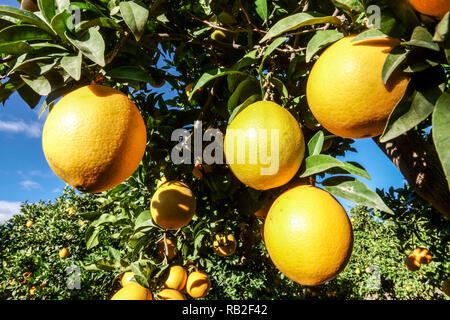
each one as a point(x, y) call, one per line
point(210, 99)
point(116, 49)
point(241, 7)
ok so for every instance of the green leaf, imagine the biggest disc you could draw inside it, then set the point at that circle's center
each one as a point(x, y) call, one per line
point(370, 34)
point(316, 143)
point(442, 32)
point(47, 8)
point(133, 73)
point(246, 60)
point(441, 138)
point(246, 88)
point(46, 83)
point(407, 114)
point(242, 106)
point(72, 65)
point(320, 40)
point(422, 38)
point(16, 48)
point(20, 33)
point(29, 96)
point(211, 75)
point(261, 9)
point(25, 17)
point(91, 44)
point(315, 164)
point(280, 86)
point(349, 5)
point(275, 44)
point(394, 59)
point(135, 15)
point(296, 21)
point(92, 237)
point(59, 24)
point(356, 191)
point(102, 22)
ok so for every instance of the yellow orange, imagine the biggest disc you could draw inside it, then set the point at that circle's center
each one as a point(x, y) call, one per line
point(264, 145)
point(345, 91)
point(94, 138)
point(412, 263)
point(308, 235)
point(127, 278)
point(29, 223)
point(198, 284)
point(435, 8)
point(176, 278)
point(224, 245)
point(171, 294)
point(133, 291)
point(422, 255)
point(63, 253)
point(173, 205)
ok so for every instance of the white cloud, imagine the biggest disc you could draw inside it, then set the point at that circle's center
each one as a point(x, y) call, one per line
point(8, 209)
point(31, 129)
point(30, 184)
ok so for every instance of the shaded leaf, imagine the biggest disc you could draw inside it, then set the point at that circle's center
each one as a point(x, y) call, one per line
point(441, 138)
point(26, 17)
point(394, 59)
point(422, 38)
point(320, 40)
point(135, 15)
point(91, 44)
point(19, 33)
point(72, 65)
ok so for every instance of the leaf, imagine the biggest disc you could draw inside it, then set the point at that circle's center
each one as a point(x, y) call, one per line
point(16, 48)
point(242, 106)
point(442, 32)
point(211, 75)
point(45, 84)
point(29, 96)
point(441, 138)
point(422, 38)
point(135, 15)
point(394, 59)
point(407, 114)
point(91, 44)
point(275, 44)
point(280, 86)
point(102, 22)
point(72, 65)
point(59, 25)
point(296, 21)
point(356, 191)
point(349, 5)
point(246, 88)
point(47, 8)
point(133, 73)
point(20, 33)
point(320, 40)
point(25, 17)
point(315, 164)
point(92, 237)
point(370, 34)
point(316, 143)
point(246, 60)
point(261, 9)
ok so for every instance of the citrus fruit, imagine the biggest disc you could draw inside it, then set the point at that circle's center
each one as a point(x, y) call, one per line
point(176, 279)
point(412, 263)
point(173, 205)
point(171, 294)
point(345, 91)
point(308, 235)
point(357, 271)
point(224, 245)
point(446, 287)
point(32, 291)
point(264, 145)
point(422, 255)
point(63, 253)
point(94, 138)
point(198, 284)
point(133, 291)
point(127, 278)
point(435, 8)
point(29, 223)
point(29, 5)
point(171, 249)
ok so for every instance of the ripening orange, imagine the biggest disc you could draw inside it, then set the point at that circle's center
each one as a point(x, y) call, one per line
point(173, 205)
point(264, 145)
point(434, 8)
point(176, 278)
point(308, 235)
point(63, 253)
point(412, 263)
point(171, 294)
point(29, 223)
point(127, 278)
point(94, 138)
point(198, 284)
point(224, 245)
point(345, 90)
point(422, 255)
point(133, 291)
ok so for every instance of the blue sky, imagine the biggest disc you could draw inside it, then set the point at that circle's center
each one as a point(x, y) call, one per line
point(26, 176)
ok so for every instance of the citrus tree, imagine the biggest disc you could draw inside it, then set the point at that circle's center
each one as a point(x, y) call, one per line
point(317, 73)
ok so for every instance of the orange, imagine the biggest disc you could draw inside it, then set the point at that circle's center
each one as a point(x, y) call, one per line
point(171, 294)
point(446, 287)
point(435, 8)
point(264, 145)
point(29, 5)
point(176, 279)
point(94, 138)
point(29, 223)
point(198, 284)
point(308, 235)
point(224, 245)
point(171, 249)
point(412, 263)
point(173, 205)
point(32, 291)
point(133, 291)
point(127, 278)
point(345, 91)
point(63, 253)
point(422, 255)
point(357, 271)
